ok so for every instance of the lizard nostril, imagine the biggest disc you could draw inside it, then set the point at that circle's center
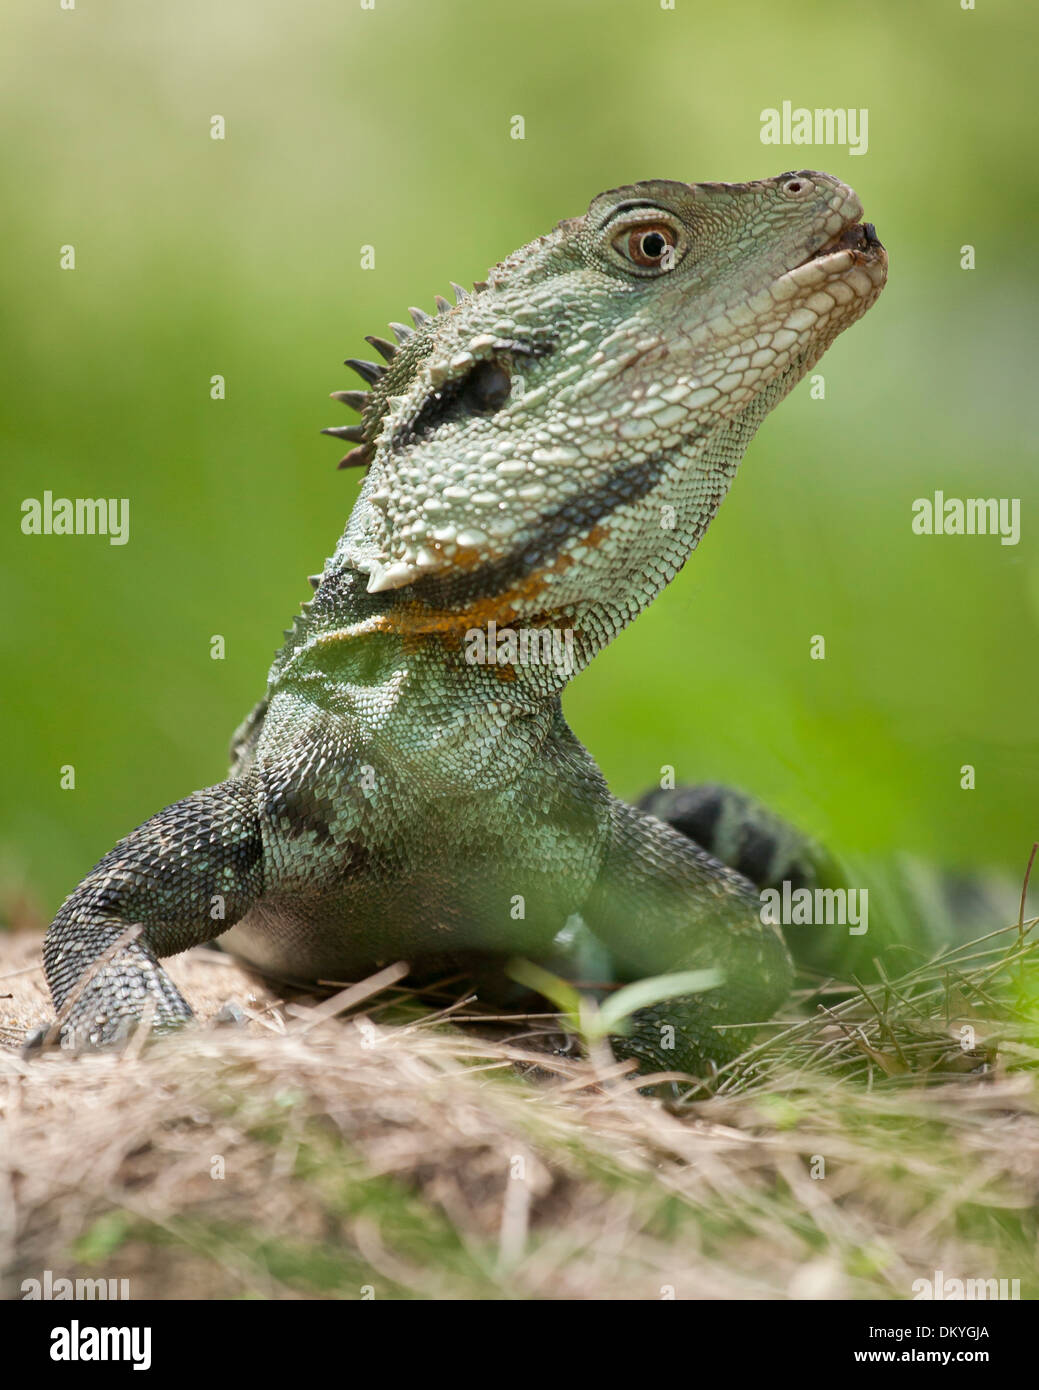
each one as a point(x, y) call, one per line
point(795, 187)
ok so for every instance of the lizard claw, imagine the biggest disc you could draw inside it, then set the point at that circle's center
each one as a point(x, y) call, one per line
point(68, 1037)
point(229, 1016)
point(35, 1041)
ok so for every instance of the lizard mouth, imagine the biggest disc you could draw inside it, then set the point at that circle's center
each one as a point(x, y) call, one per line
point(858, 237)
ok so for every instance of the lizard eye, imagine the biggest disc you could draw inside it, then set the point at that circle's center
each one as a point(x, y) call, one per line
point(650, 245)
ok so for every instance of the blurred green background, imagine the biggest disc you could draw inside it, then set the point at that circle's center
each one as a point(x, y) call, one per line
point(390, 127)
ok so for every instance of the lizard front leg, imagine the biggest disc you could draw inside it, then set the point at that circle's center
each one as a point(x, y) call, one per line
point(184, 876)
point(661, 904)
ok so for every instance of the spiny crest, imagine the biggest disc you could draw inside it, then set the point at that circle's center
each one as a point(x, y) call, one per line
point(300, 619)
point(373, 373)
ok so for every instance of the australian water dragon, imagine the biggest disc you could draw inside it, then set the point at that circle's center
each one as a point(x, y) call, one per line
point(542, 457)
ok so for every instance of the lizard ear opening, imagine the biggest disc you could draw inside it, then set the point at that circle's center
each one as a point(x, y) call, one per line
point(481, 388)
point(487, 387)
point(481, 391)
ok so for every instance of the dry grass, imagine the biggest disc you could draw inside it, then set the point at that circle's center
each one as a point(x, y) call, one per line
point(314, 1155)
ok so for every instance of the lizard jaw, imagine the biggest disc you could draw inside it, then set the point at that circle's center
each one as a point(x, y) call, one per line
point(853, 258)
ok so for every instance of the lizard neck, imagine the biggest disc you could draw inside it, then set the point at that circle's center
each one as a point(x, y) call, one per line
point(509, 637)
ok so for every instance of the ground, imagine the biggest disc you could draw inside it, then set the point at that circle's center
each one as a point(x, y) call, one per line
point(317, 1154)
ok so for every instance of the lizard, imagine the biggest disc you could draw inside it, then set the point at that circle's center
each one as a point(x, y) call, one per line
point(542, 456)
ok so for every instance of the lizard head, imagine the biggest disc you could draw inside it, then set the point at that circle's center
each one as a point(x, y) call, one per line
point(565, 433)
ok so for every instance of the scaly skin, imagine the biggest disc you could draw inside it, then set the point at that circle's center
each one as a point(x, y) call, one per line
point(545, 454)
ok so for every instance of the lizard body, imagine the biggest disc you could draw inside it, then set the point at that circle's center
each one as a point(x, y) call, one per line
point(542, 457)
